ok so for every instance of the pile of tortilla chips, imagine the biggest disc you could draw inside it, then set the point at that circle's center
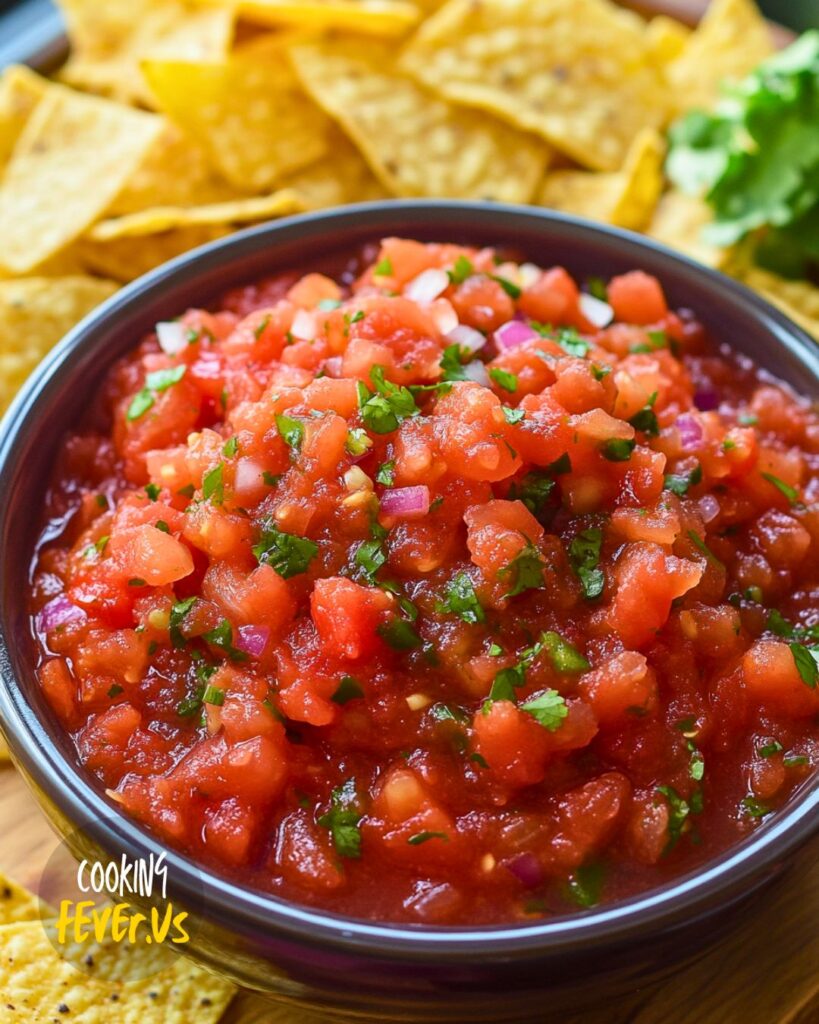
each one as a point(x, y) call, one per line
point(39, 986)
point(197, 117)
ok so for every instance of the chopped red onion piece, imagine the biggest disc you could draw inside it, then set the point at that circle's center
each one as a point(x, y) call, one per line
point(690, 431)
point(172, 336)
point(526, 868)
point(58, 612)
point(444, 315)
point(468, 338)
point(476, 370)
point(406, 501)
point(706, 400)
point(304, 326)
point(249, 475)
point(709, 507)
point(595, 310)
point(514, 333)
point(252, 639)
point(427, 286)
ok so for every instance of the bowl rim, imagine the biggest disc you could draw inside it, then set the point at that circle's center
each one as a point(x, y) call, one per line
point(234, 905)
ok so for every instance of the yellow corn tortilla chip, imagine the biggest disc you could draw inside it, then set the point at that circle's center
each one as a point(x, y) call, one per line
point(176, 172)
point(729, 42)
point(416, 144)
point(576, 72)
point(798, 300)
point(16, 904)
point(157, 219)
point(72, 158)
point(4, 751)
point(373, 17)
point(666, 38)
point(40, 987)
point(124, 259)
point(109, 39)
point(626, 198)
point(35, 312)
point(678, 222)
point(344, 177)
point(249, 113)
point(21, 89)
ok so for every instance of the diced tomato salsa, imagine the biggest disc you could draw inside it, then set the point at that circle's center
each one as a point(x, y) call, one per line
point(450, 591)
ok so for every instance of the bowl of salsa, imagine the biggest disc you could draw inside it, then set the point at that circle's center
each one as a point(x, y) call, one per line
point(437, 583)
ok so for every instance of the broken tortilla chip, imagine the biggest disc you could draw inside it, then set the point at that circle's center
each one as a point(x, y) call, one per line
point(415, 143)
point(798, 300)
point(35, 312)
point(72, 158)
point(578, 73)
point(732, 38)
point(165, 218)
point(666, 38)
point(16, 903)
point(371, 17)
point(4, 751)
point(21, 89)
point(110, 39)
point(625, 198)
point(40, 985)
point(678, 222)
point(249, 113)
point(344, 177)
point(124, 259)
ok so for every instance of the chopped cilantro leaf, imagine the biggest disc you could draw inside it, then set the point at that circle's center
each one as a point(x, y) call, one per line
point(370, 556)
point(222, 637)
point(525, 571)
point(512, 416)
point(460, 599)
point(807, 663)
point(679, 810)
point(383, 268)
point(618, 449)
point(177, 617)
point(678, 483)
point(584, 554)
point(571, 342)
point(348, 689)
point(504, 379)
point(384, 410)
point(547, 708)
point(386, 473)
point(533, 490)
point(115, 690)
point(424, 837)
point(213, 488)
point(399, 634)
point(343, 819)
point(358, 441)
point(230, 447)
point(461, 270)
point(755, 808)
point(790, 492)
point(287, 553)
point(328, 305)
point(564, 656)
point(291, 431)
point(511, 289)
point(452, 363)
point(152, 491)
point(646, 419)
point(585, 886)
point(770, 749)
point(700, 544)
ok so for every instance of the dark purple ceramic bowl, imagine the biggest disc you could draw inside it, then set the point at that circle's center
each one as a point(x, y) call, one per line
point(319, 960)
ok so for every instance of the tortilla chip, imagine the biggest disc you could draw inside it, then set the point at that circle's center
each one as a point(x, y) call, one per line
point(109, 40)
point(4, 751)
point(38, 985)
point(678, 222)
point(798, 300)
point(165, 218)
point(16, 903)
point(72, 158)
point(578, 73)
point(666, 38)
point(731, 40)
point(249, 113)
point(124, 259)
point(416, 144)
point(372, 17)
point(176, 172)
point(35, 312)
point(626, 198)
point(344, 177)
point(21, 89)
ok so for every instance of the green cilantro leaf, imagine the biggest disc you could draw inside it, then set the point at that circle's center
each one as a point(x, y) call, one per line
point(424, 837)
point(790, 493)
point(213, 487)
point(383, 268)
point(177, 617)
point(460, 599)
point(563, 655)
point(584, 554)
point(548, 709)
point(348, 689)
point(386, 473)
point(504, 379)
point(343, 820)
point(461, 270)
point(618, 449)
point(222, 637)
point(678, 483)
point(525, 571)
point(511, 289)
point(287, 553)
point(291, 431)
point(389, 406)
point(452, 363)
point(807, 663)
point(585, 886)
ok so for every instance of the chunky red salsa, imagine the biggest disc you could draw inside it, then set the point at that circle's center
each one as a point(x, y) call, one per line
point(446, 592)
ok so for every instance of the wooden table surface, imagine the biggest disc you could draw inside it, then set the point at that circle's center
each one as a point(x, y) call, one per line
point(767, 972)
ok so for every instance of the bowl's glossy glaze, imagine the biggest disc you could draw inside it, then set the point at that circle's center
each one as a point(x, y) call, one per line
point(371, 971)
